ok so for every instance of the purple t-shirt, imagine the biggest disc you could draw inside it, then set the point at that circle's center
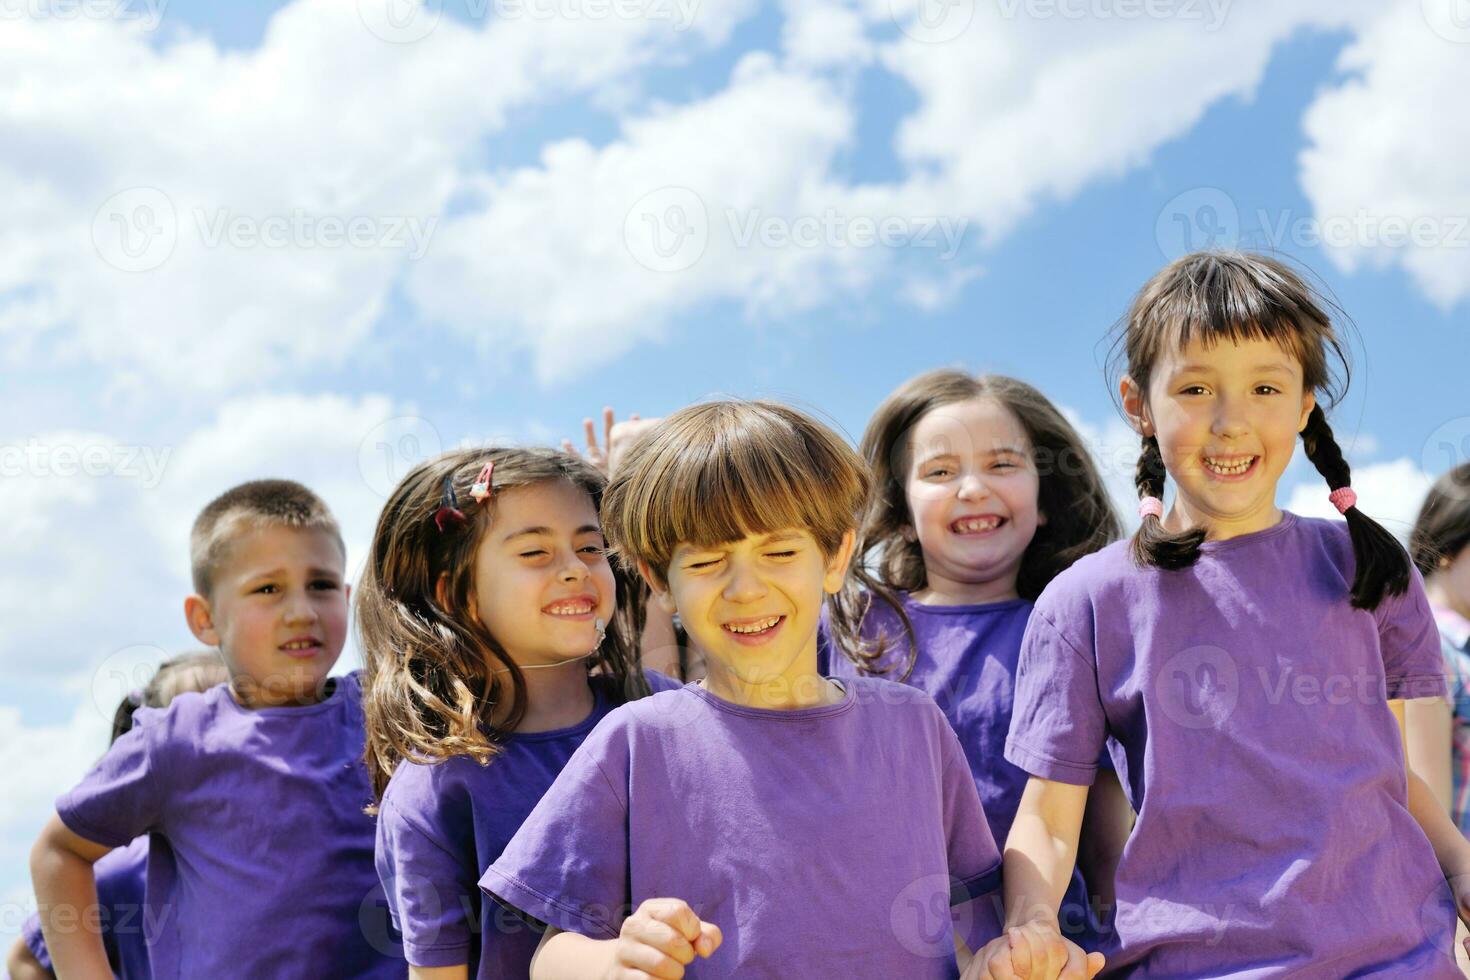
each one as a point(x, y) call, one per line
point(842, 840)
point(260, 860)
point(966, 662)
point(441, 825)
point(120, 876)
point(1248, 703)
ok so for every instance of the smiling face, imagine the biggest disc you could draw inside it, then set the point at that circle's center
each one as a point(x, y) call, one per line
point(542, 578)
point(971, 484)
point(1227, 417)
point(752, 606)
point(278, 613)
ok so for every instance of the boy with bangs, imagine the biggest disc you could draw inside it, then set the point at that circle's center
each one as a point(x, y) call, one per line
point(252, 793)
point(766, 820)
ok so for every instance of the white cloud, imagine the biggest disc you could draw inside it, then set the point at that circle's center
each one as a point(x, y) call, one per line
point(1385, 160)
point(229, 256)
point(1391, 493)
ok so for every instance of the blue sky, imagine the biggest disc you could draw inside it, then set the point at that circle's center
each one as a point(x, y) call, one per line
point(1066, 151)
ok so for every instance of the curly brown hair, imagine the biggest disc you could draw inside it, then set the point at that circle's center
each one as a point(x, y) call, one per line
point(433, 675)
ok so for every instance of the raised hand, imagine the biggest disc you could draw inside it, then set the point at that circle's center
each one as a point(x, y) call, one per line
point(660, 939)
point(616, 438)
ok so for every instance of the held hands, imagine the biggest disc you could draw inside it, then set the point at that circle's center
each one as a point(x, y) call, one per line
point(660, 939)
point(616, 438)
point(1033, 951)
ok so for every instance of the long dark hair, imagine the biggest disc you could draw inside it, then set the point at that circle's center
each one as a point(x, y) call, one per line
point(1079, 515)
point(433, 675)
point(1220, 296)
point(1442, 529)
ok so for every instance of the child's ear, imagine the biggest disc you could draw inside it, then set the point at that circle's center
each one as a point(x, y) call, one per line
point(201, 620)
point(1134, 408)
point(837, 567)
point(660, 590)
point(1309, 402)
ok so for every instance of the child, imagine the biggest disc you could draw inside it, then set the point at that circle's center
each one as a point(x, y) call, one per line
point(1439, 738)
point(260, 862)
point(482, 612)
point(767, 820)
point(1243, 659)
point(121, 874)
point(984, 493)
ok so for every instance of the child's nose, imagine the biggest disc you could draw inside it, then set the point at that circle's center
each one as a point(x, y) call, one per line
point(1230, 418)
point(744, 584)
point(973, 487)
point(574, 569)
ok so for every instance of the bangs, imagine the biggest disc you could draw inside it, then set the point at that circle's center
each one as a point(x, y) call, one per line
point(723, 471)
point(1221, 297)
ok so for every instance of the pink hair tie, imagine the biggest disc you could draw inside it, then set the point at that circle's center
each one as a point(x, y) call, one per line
point(1343, 498)
point(1151, 507)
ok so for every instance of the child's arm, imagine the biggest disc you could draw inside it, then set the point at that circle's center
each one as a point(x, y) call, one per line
point(1450, 846)
point(66, 891)
point(461, 972)
point(23, 965)
point(658, 940)
point(1427, 742)
point(1039, 856)
point(1105, 827)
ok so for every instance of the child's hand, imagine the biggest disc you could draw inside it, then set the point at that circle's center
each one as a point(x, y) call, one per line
point(616, 438)
point(1034, 951)
point(660, 939)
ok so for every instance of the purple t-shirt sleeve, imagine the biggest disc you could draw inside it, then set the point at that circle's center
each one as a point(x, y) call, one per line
point(974, 859)
point(1058, 728)
point(567, 866)
point(123, 797)
point(1413, 665)
point(424, 883)
point(35, 942)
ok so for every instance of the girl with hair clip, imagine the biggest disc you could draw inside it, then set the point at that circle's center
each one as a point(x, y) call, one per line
point(1250, 668)
point(495, 635)
point(121, 874)
point(983, 492)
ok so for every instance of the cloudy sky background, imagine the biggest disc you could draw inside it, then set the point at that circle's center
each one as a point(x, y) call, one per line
point(321, 239)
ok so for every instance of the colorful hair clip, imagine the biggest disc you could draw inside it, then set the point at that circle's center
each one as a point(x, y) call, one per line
point(480, 489)
point(449, 511)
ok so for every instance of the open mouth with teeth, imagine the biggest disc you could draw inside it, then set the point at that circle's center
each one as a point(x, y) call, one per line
point(754, 630)
point(982, 524)
point(1229, 467)
point(301, 647)
point(571, 608)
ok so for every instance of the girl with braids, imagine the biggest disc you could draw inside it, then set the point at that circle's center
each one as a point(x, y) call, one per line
point(1249, 667)
point(495, 635)
point(983, 492)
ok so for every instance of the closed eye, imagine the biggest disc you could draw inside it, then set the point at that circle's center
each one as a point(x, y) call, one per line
point(324, 584)
point(532, 554)
point(781, 554)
